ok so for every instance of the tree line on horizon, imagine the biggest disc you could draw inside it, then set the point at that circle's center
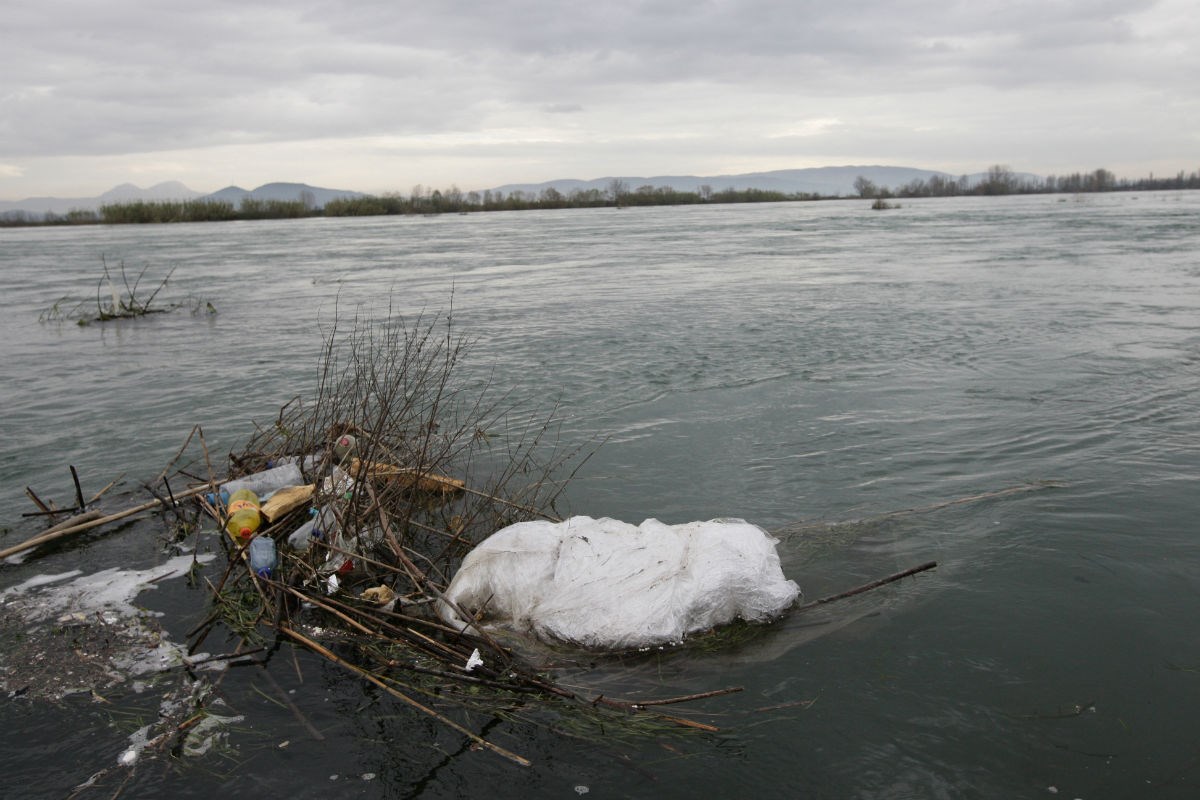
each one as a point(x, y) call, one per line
point(999, 180)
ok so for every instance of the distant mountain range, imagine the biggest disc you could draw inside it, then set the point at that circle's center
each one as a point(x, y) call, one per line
point(826, 181)
point(173, 190)
point(315, 195)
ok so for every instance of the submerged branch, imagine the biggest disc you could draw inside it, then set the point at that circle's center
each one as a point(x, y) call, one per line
point(866, 587)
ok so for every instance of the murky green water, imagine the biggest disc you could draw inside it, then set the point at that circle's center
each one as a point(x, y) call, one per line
point(788, 364)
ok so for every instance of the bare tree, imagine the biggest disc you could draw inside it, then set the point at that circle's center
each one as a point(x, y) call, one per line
point(865, 186)
point(617, 189)
point(1000, 180)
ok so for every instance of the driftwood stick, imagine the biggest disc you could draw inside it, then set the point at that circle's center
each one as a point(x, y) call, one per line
point(71, 522)
point(690, 723)
point(111, 484)
point(193, 432)
point(686, 698)
point(42, 538)
point(866, 587)
point(52, 513)
point(37, 501)
point(366, 674)
point(633, 706)
point(79, 505)
point(625, 705)
point(170, 494)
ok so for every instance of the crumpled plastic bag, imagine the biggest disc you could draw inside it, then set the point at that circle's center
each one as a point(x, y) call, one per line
point(606, 584)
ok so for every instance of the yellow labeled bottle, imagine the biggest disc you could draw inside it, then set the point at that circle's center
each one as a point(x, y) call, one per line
point(244, 516)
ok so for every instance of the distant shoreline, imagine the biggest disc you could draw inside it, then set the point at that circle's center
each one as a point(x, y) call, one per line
point(999, 182)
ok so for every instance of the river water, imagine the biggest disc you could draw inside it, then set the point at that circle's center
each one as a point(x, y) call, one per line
point(809, 367)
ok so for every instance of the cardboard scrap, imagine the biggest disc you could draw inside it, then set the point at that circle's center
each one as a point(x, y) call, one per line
point(405, 476)
point(287, 499)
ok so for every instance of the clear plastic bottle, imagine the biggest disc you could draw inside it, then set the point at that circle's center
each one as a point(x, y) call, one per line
point(307, 463)
point(339, 561)
point(266, 481)
point(303, 536)
point(243, 512)
point(263, 557)
point(327, 525)
point(340, 483)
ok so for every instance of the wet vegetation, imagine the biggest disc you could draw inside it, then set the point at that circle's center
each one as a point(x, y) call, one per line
point(112, 303)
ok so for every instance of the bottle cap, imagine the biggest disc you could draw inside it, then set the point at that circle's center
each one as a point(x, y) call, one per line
point(344, 446)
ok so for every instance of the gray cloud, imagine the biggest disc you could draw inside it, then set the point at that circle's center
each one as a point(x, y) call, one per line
point(932, 81)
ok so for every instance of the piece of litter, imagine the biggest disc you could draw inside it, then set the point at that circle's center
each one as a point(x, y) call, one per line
point(379, 595)
point(609, 585)
point(474, 661)
point(581, 789)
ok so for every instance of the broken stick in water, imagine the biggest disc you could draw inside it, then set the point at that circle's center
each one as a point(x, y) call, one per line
point(867, 586)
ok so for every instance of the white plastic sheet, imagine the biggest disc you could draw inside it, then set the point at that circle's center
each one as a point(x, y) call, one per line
point(602, 583)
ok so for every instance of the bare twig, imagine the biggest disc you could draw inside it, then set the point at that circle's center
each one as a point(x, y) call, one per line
point(37, 501)
point(367, 675)
point(88, 525)
point(866, 587)
point(79, 505)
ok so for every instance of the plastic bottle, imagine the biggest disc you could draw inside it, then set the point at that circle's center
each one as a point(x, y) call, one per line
point(344, 447)
point(338, 561)
point(340, 483)
point(303, 536)
point(266, 481)
point(244, 516)
point(327, 526)
point(263, 557)
point(308, 463)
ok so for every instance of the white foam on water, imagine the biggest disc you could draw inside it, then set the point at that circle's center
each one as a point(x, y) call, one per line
point(103, 601)
point(39, 580)
point(111, 590)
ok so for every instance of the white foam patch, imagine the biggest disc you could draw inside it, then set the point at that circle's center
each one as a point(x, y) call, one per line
point(108, 591)
point(39, 580)
point(135, 645)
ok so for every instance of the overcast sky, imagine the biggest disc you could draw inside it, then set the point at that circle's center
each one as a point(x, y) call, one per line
point(379, 96)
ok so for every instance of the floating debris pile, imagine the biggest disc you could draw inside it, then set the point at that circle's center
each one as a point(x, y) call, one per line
point(402, 471)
